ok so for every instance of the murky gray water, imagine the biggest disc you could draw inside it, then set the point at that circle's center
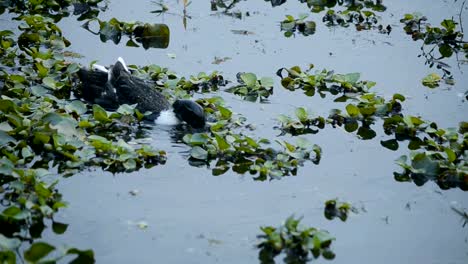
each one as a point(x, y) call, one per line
point(194, 217)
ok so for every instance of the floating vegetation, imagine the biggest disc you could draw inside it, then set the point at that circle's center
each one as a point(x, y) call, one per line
point(290, 25)
point(304, 124)
point(251, 88)
point(299, 244)
point(41, 252)
point(439, 43)
point(227, 5)
point(323, 82)
point(362, 20)
point(439, 154)
point(55, 9)
point(245, 154)
point(334, 208)
point(149, 35)
point(351, 5)
point(433, 80)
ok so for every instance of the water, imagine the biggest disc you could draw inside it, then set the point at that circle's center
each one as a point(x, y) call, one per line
point(194, 217)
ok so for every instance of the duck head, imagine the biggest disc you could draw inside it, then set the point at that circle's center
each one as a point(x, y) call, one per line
point(190, 112)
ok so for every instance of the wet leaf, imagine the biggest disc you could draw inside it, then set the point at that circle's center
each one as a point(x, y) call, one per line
point(391, 144)
point(199, 153)
point(59, 228)
point(249, 79)
point(37, 251)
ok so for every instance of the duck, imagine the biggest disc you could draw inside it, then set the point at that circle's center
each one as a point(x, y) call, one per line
point(114, 86)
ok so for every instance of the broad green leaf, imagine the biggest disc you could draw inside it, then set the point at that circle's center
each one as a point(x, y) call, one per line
point(37, 251)
point(199, 153)
point(77, 107)
point(301, 113)
point(353, 111)
point(391, 144)
point(249, 79)
point(222, 144)
point(49, 82)
point(352, 77)
point(267, 82)
point(432, 80)
point(59, 228)
point(100, 114)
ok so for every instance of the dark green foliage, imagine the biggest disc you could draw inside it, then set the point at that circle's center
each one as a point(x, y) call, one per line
point(440, 153)
point(251, 88)
point(299, 244)
point(290, 25)
point(243, 153)
point(334, 208)
point(447, 40)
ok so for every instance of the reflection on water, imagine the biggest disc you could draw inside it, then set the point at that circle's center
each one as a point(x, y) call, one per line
point(149, 35)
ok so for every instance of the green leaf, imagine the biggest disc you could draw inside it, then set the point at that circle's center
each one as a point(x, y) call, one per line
point(59, 228)
point(222, 143)
point(445, 50)
point(301, 113)
point(352, 110)
point(77, 107)
point(249, 79)
point(352, 77)
point(37, 251)
point(49, 82)
point(199, 153)
point(432, 80)
point(39, 91)
point(267, 82)
point(83, 256)
point(5, 138)
point(450, 155)
point(391, 144)
point(449, 24)
point(100, 114)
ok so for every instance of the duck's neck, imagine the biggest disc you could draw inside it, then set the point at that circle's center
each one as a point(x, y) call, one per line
point(167, 117)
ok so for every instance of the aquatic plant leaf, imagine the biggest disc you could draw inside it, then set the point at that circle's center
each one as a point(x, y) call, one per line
point(432, 80)
point(352, 110)
point(100, 114)
point(59, 228)
point(249, 79)
point(37, 251)
point(77, 107)
point(301, 113)
point(5, 138)
point(199, 153)
point(49, 82)
point(391, 144)
point(352, 77)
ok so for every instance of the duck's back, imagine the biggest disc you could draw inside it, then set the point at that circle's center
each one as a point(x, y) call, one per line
point(132, 90)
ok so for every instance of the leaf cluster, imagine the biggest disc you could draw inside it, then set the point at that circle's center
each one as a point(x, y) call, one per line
point(298, 243)
point(290, 25)
point(251, 88)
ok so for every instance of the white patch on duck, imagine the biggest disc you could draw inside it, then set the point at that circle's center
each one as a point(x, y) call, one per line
point(168, 118)
point(100, 68)
point(121, 60)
